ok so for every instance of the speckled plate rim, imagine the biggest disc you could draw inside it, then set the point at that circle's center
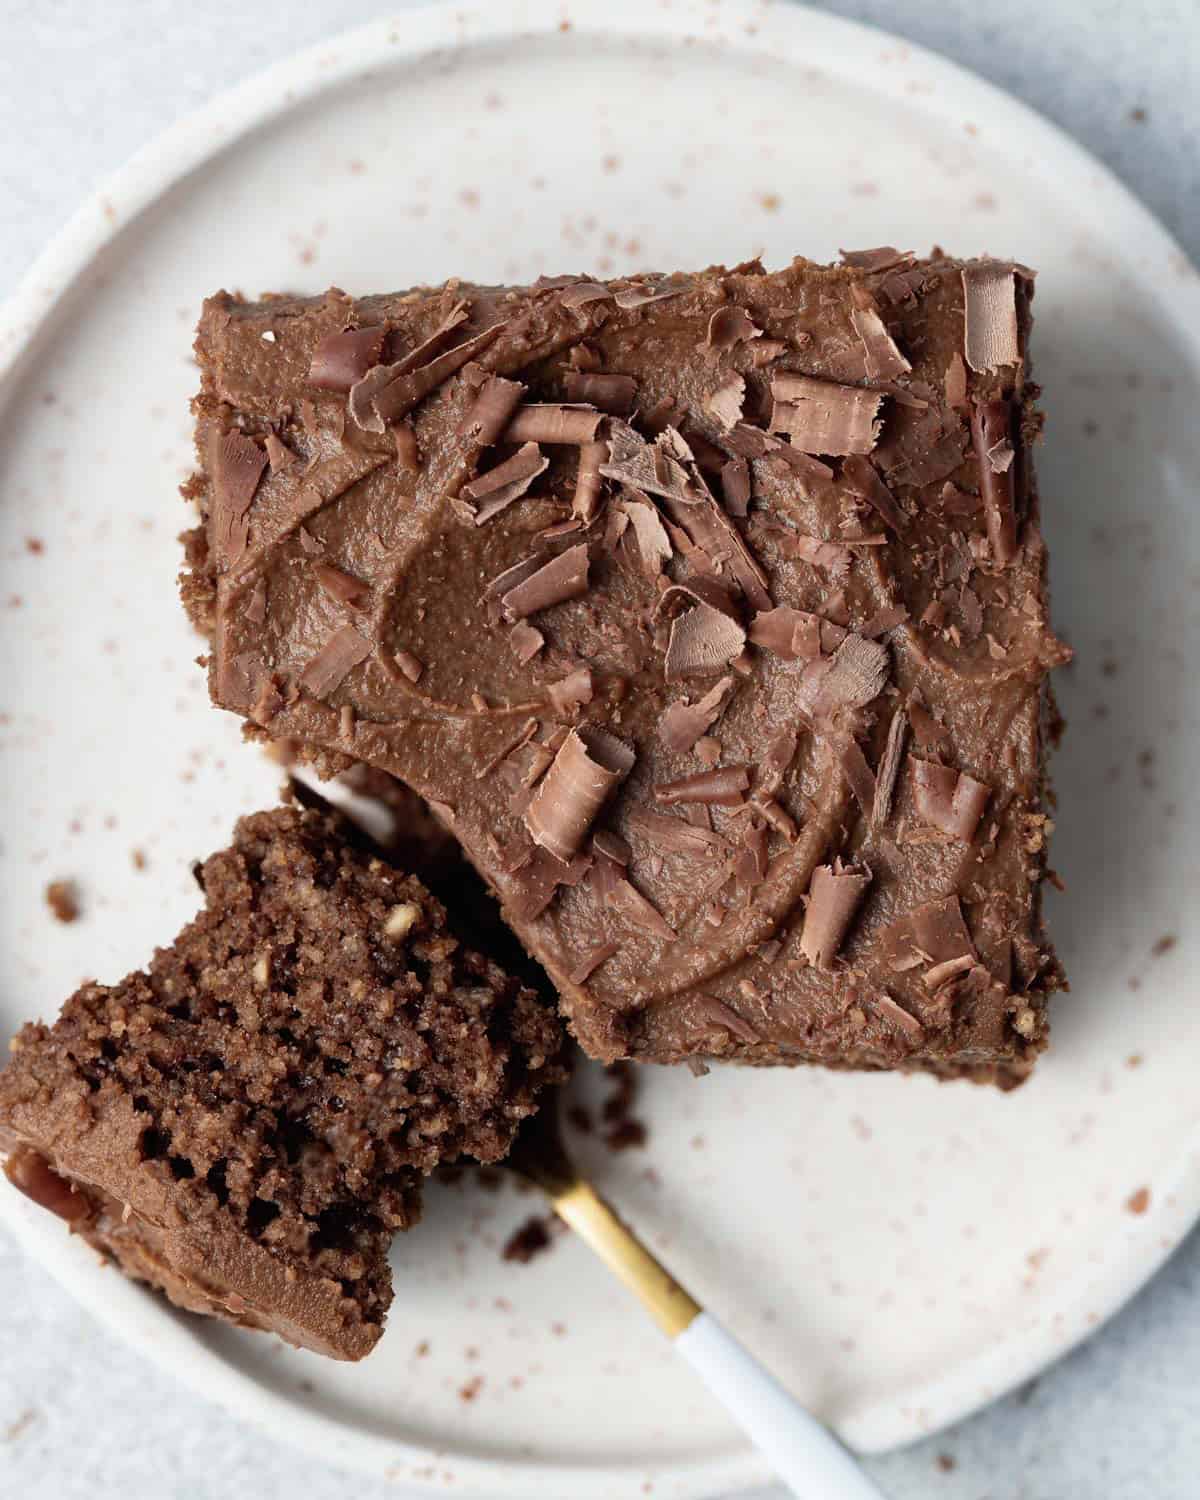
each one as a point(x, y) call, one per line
point(788, 32)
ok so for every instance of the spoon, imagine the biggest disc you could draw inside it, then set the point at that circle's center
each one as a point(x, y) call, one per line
point(801, 1450)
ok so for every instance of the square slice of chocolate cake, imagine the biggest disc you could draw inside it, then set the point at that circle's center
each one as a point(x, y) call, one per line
point(708, 610)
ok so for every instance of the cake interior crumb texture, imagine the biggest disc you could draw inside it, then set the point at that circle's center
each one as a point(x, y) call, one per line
point(246, 1123)
point(709, 611)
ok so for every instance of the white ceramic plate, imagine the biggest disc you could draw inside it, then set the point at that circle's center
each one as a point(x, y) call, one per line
point(899, 1251)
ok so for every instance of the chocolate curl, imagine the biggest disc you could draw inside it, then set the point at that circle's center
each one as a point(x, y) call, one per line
point(823, 417)
point(562, 578)
point(991, 428)
point(589, 765)
point(725, 786)
point(883, 360)
point(340, 360)
point(889, 770)
point(948, 799)
point(991, 337)
point(614, 394)
point(508, 481)
point(793, 634)
point(834, 896)
point(553, 422)
point(933, 933)
point(729, 326)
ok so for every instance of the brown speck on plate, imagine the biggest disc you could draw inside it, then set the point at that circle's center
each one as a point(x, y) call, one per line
point(62, 897)
point(1139, 1201)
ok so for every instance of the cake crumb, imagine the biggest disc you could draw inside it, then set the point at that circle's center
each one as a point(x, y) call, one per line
point(63, 900)
point(20, 1426)
point(1163, 945)
point(140, 860)
point(471, 1388)
point(624, 1130)
point(946, 1462)
point(1139, 1202)
point(530, 1239)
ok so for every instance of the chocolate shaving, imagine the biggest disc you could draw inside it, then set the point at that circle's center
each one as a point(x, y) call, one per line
point(588, 480)
point(883, 621)
point(724, 787)
point(735, 486)
point(991, 425)
point(948, 799)
point(591, 961)
point(959, 502)
point(583, 292)
point(793, 634)
point(931, 934)
point(508, 481)
point(821, 417)
point(972, 611)
point(638, 909)
point(682, 724)
point(343, 587)
point(730, 326)
point(751, 867)
point(862, 478)
point(511, 577)
point(831, 556)
point(883, 360)
point(851, 678)
point(389, 392)
point(889, 770)
point(635, 295)
point(236, 464)
point(859, 776)
point(342, 359)
point(882, 258)
point(929, 733)
point(590, 763)
point(337, 657)
point(279, 454)
point(990, 334)
point(950, 969)
point(902, 1019)
point(702, 640)
point(562, 578)
point(713, 1012)
point(654, 545)
point(491, 410)
point(554, 422)
point(955, 381)
point(615, 394)
point(256, 610)
point(525, 642)
point(725, 402)
point(834, 895)
point(412, 666)
point(572, 692)
point(611, 846)
point(408, 455)
point(774, 766)
point(670, 835)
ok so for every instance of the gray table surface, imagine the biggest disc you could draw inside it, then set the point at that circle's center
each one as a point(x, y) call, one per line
point(82, 85)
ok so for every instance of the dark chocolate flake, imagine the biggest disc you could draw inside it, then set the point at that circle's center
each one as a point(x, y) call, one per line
point(589, 481)
point(571, 692)
point(834, 895)
point(654, 545)
point(900, 1018)
point(580, 293)
point(711, 1012)
point(889, 770)
point(587, 965)
point(703, 639)
point(883, 360)
point(643, 913)
point(725, 401)
point(525, 642)
point(882, 258)
point(858, 774)
point(933, 933)
point(279, 454)
point(588, 766)
point(554, 422)
point(735, 486)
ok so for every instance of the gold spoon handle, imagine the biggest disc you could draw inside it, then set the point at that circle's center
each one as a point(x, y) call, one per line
point(593, 1220)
